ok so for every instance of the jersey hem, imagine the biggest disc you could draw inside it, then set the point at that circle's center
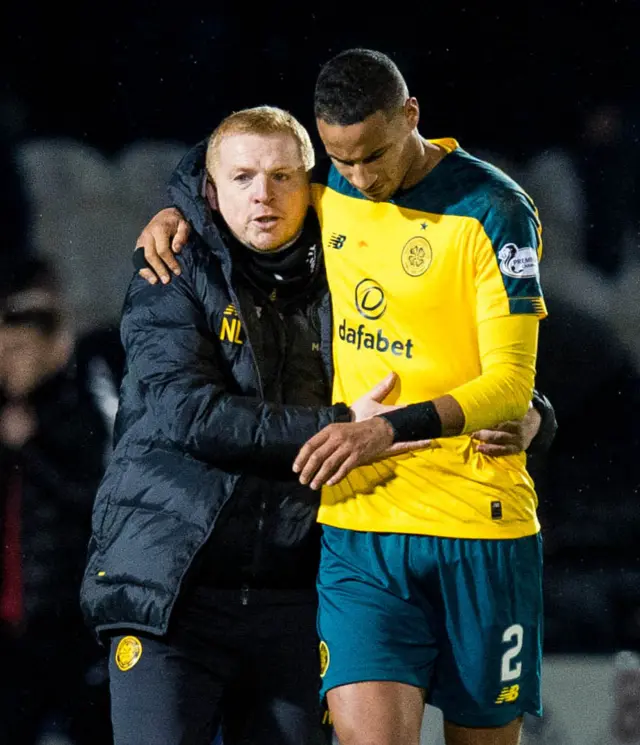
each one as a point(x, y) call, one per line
point(473, 532)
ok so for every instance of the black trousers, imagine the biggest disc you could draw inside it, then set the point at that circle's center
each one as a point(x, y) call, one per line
point(247, 663)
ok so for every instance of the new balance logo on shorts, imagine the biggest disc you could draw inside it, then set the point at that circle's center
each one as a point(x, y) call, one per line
point(508, 695)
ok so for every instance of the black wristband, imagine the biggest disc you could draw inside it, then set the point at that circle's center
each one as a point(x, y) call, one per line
point(414, 422)
point(341, 413)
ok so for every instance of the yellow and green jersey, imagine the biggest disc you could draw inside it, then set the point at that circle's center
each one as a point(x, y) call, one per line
point(433, 284)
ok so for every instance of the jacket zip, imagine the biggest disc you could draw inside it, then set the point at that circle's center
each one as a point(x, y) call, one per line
point(244, 590)
point(257, 553)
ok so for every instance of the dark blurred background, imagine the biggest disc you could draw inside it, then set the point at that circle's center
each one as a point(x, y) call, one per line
point(99, 102)
point(518, 76)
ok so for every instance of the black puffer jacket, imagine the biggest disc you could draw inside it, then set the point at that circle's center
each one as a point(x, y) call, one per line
point(206, 423)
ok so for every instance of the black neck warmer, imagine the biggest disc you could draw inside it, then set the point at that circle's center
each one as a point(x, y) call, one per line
point(287, 272)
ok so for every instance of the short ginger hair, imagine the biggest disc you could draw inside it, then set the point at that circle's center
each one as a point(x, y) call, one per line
point(261, 120)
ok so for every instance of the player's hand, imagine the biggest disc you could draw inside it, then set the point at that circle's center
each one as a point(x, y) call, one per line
point(163, 237)
point(338, 448)
point(509, 438)
point(371, 403)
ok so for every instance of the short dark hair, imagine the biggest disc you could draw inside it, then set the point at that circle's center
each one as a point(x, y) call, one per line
point(355, 84)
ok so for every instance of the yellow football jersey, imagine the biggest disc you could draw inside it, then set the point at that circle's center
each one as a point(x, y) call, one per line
point(412, 279)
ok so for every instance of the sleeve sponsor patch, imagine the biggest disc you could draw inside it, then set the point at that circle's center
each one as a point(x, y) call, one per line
point(519, 263)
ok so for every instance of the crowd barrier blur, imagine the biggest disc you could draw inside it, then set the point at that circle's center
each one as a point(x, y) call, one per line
point(583, 697)
point(88, 211)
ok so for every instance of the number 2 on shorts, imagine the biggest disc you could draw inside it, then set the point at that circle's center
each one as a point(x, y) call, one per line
point(511, 670)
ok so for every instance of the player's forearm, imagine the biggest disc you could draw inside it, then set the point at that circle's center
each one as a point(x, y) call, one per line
point(503, 394)
point(451, 415)
point(500, 393)
point(503, 390)
point(482, 404)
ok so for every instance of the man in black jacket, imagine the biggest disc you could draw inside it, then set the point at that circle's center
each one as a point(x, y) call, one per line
point(205, 547)
point(52, 443)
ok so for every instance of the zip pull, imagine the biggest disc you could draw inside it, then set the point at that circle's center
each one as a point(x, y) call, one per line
point(244, 595)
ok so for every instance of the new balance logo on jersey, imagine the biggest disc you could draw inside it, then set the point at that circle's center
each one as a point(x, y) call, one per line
point(337, 240)
point(231, 328)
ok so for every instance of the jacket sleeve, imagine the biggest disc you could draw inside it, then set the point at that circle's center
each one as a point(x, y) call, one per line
point(173, 360)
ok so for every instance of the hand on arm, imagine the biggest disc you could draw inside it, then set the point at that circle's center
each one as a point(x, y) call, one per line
point(508, 353)
point(337, 449)
point(509, 438)
point(164, 236)
point(334, 451)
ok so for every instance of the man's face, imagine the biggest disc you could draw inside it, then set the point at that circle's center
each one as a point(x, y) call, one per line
point(262, 188)
point(372, 155)
point(26, 358)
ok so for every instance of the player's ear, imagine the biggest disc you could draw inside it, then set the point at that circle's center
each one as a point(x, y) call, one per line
point(412, 111)
point(211, 194)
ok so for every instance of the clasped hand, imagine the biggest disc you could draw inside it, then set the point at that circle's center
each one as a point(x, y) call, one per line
point(337, 449)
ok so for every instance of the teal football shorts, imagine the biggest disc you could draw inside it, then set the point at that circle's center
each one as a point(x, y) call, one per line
point(459, 618)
